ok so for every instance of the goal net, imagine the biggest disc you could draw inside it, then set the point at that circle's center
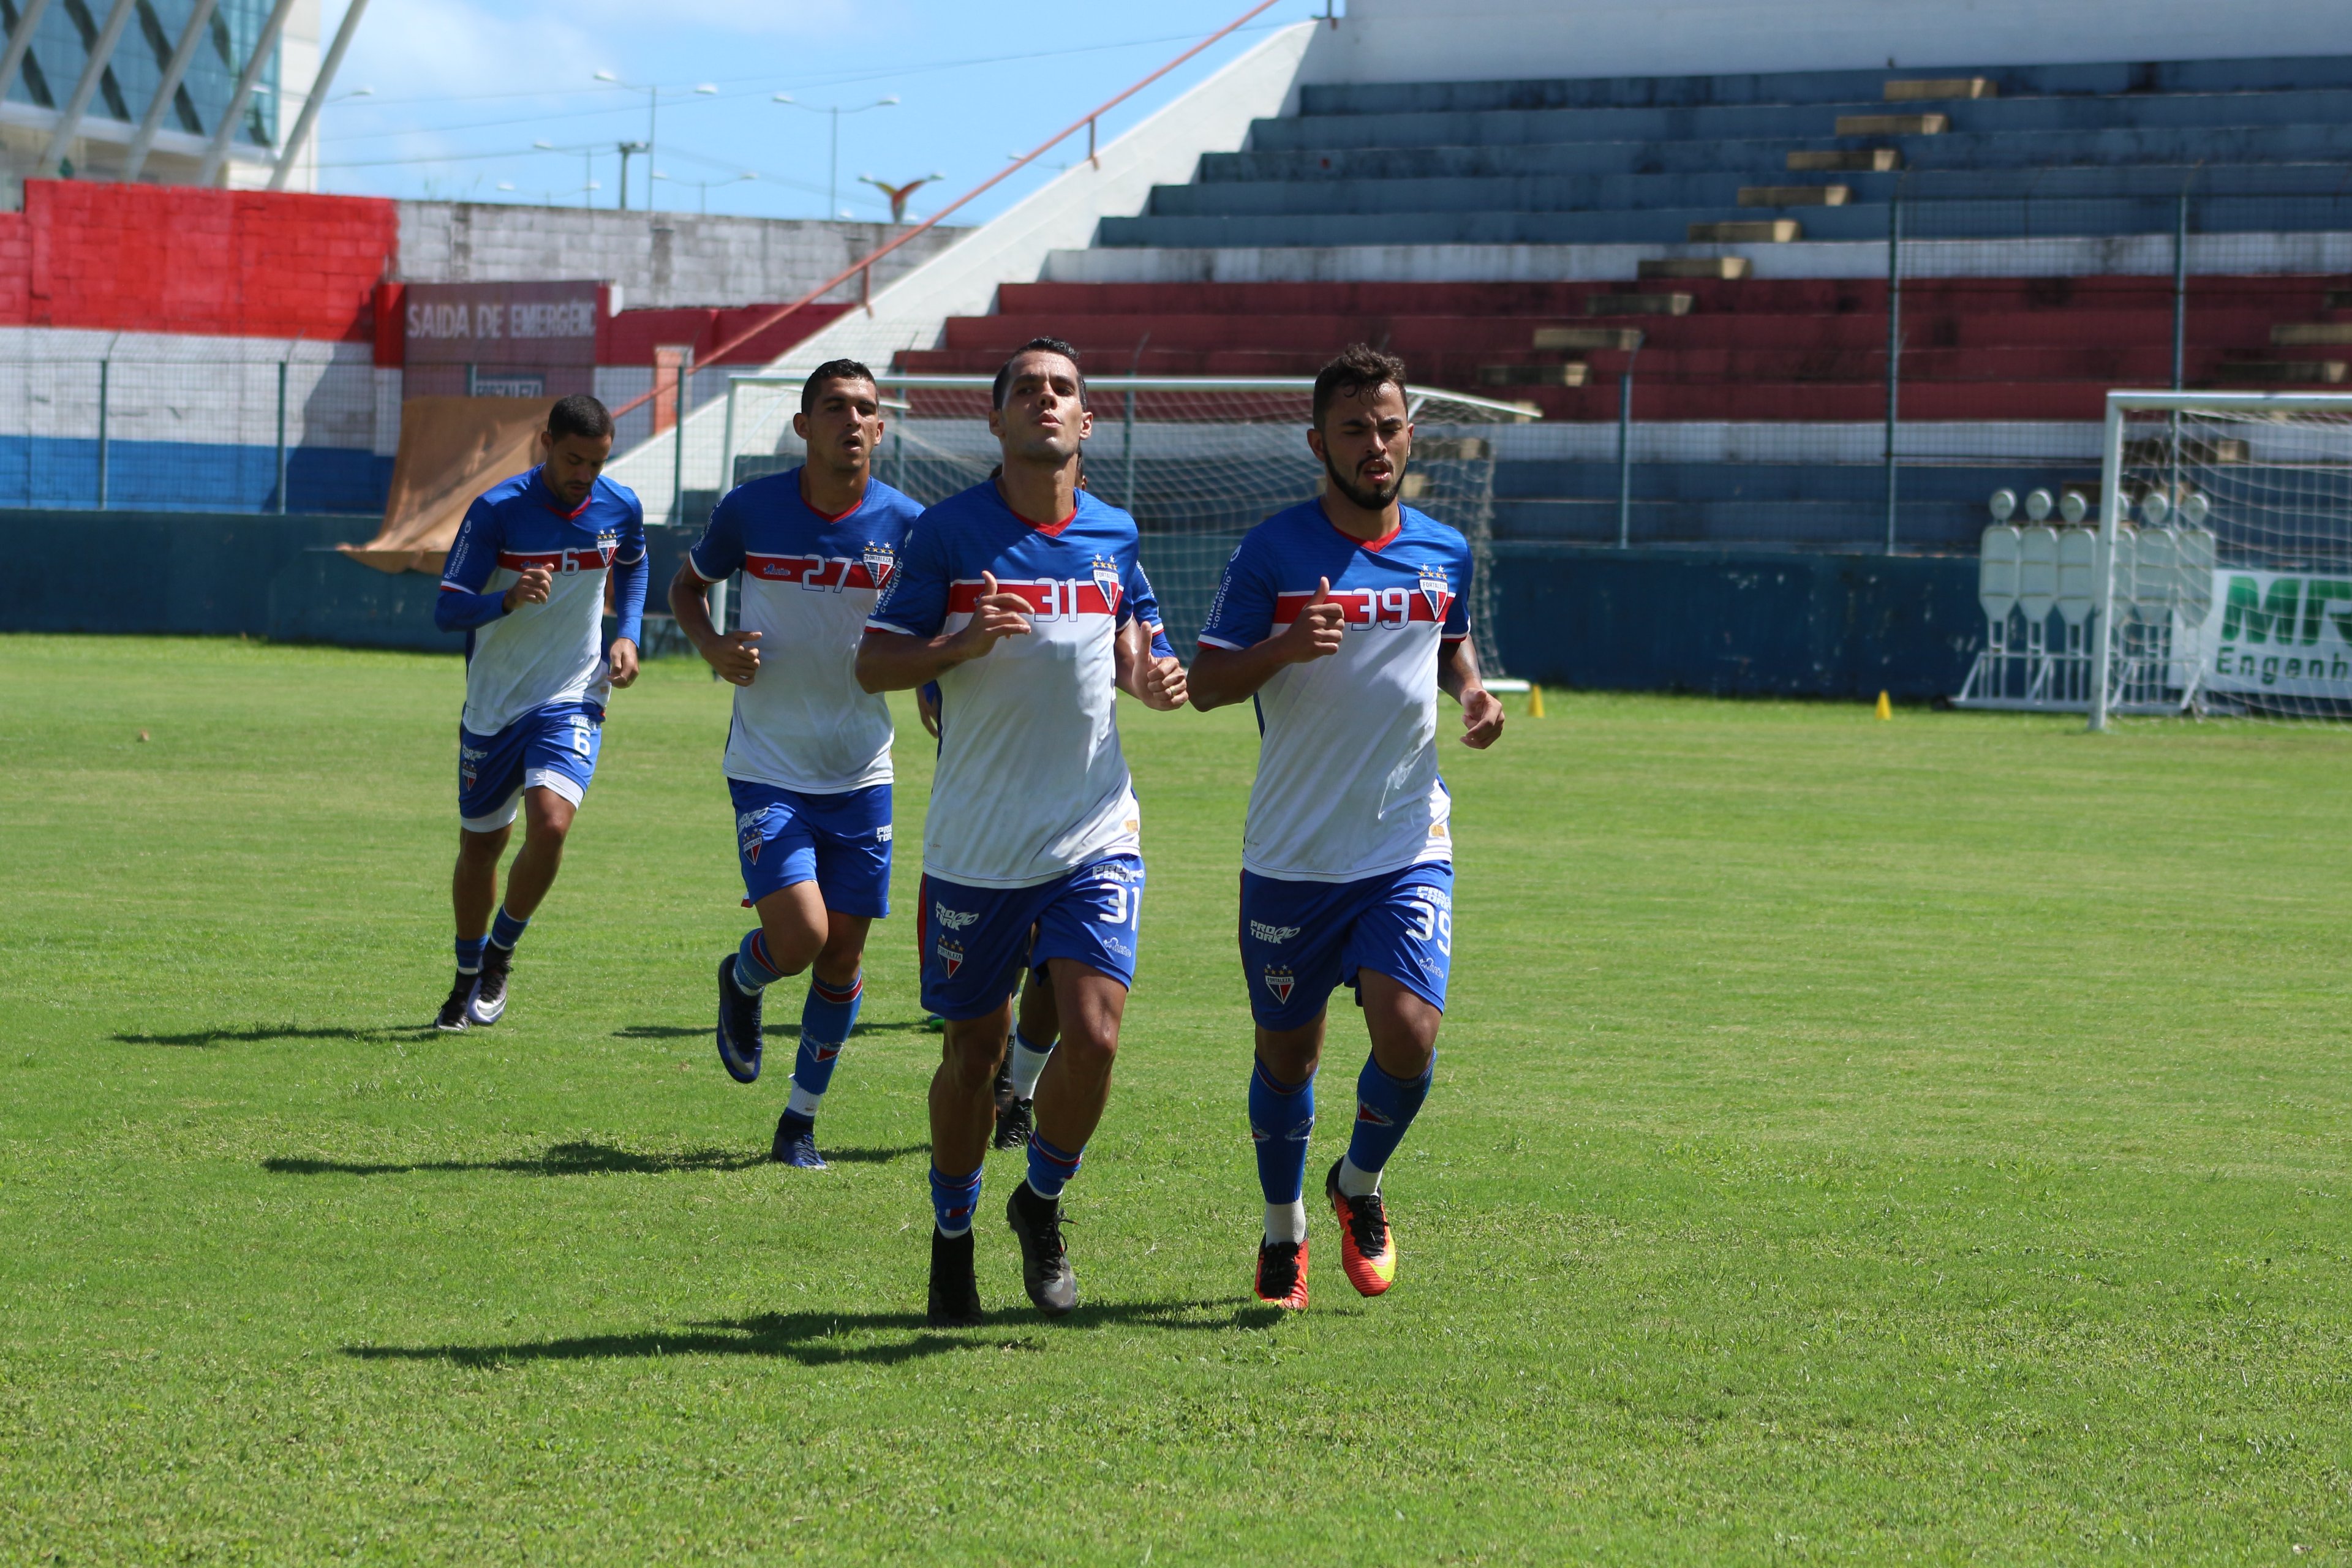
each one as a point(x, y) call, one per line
point(1197, 462)
point(2231, 587)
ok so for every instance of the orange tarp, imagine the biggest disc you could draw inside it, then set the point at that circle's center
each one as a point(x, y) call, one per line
point(451, 450)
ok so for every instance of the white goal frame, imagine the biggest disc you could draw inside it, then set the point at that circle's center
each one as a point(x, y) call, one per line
point(2112, 504)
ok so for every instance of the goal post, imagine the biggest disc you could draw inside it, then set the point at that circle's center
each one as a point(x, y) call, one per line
point(1197, 460)
point(2223, 575)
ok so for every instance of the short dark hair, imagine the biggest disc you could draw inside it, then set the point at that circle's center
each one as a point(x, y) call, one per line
point(834, 370)
point(1359, 369)
point(1039, 345)
point(579, 415)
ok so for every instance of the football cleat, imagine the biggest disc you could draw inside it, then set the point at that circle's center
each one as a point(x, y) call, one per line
point(739, 1026)
point(1045, 1271)
point(1014, 1122)
point(452, 1017)
point(796, 1144)
point(489, 1003)
point(955, 1293)
point(1282, 1273)
point(1367, 1251)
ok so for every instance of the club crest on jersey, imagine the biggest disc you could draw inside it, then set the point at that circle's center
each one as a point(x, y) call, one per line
point(1280, 981)
point(1106, 579)
point(880, 564)
point(951, 954)
point(1436, 590)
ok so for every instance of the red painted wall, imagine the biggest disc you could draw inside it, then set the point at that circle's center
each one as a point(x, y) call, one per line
point(177, 259)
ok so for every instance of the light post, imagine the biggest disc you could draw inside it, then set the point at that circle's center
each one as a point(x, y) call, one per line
point(704, 187)
point(653, 107)
point(833, 172)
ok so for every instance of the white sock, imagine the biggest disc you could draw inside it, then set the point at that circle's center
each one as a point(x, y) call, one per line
point(1028, 1062)
point(802, 1104)
point(1357, 1184)
point(1287, 1222)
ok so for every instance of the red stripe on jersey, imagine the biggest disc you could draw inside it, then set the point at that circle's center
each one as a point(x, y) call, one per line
point(558, 560)
point(1069, 595)
point(835, 571)
point(1371, 607)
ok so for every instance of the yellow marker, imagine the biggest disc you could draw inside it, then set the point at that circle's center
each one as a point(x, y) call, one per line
point(1535, 701)
point(1885, 709)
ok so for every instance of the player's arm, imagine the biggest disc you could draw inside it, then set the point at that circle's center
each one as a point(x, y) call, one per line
point(1147, 669)
point(1222, 676)
point(734, 656)
point(897, 660)
point(633, 571)
point(1457, 676)
point(461, 606)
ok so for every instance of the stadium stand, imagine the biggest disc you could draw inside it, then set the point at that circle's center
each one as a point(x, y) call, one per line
point(1733, 230)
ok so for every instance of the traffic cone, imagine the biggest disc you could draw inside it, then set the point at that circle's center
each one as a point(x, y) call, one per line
point(1535, 701)
point(1885, 709)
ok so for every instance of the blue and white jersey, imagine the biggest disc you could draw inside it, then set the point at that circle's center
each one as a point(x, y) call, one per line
point(552, 652)
point(809, 583)
point(1346, 770)
point(1031, 783)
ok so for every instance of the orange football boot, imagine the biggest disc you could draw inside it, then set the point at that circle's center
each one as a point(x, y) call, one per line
point(1368, 1253)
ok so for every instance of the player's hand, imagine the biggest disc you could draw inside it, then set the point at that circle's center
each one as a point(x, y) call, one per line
point(1482, 718)
point(735, 657)
point(624, 660)
point(993, 618)
point(1317, 631)
point(1163, 686)
point(531, 588)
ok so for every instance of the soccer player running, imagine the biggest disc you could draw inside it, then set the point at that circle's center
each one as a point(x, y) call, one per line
point(808, 754)
point(1022, 598)
point(1344, 618)
point(526, 580)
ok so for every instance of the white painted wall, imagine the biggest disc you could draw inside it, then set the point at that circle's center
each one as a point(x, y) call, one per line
point(1214, 117)
point(1484, 40)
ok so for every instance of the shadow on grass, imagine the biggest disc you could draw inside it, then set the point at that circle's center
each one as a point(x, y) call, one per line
point(576, 1159)
point(812, 1338)
point(898, 1027)
point(259, 1032)
point(662, 1032)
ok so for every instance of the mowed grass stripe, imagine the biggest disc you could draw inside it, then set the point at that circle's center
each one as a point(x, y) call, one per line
point(1852, 1141)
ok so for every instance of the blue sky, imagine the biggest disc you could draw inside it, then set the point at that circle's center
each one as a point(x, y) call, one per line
point(463, 88)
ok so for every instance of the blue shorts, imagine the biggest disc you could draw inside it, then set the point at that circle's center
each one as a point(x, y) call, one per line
point(553, 746)
point(840, 842)
point(1300, 940)
point(975, 939)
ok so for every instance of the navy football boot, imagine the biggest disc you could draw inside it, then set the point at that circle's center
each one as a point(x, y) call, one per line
point(795, 1143)
point(739, 1026)
point(452, 1017)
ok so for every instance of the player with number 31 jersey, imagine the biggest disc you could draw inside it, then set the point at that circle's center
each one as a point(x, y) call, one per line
point(1343, 617)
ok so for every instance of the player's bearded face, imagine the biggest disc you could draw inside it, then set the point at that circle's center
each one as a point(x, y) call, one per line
point(1366, 441)
point(1043, 418)
point(572, 463)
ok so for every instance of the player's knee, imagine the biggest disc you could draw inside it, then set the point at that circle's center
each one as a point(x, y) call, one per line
point(1088, 1052)
point(475, 850)
point(972, 1049)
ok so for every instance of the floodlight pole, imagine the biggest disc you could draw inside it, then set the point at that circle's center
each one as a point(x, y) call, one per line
point(1894, 344)
point(1625, 448)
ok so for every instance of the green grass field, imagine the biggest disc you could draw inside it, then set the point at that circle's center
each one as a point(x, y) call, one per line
point(1854, 1141)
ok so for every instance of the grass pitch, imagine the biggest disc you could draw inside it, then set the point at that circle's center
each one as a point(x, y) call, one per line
point(1869, 1141)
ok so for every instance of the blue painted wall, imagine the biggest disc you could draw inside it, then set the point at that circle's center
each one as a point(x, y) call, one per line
point(39, 471)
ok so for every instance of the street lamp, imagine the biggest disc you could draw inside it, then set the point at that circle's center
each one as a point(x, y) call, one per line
point(832, 176)
point(705, 186)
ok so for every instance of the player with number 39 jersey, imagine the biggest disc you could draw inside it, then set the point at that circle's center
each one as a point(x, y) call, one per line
point(1343, 619)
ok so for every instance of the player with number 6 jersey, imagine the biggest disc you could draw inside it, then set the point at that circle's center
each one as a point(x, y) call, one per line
point(526, 582)
point(1343, 619)
point(808, 754)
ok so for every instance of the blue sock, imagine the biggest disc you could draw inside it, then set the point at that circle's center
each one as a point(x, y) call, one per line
point(506, 931)
point(1050, 1168)
point(1385, 1107)
point(826, 1018)
point(469, 954)
point(953, 1199)
point(753, 972)
point(1280, 1120)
